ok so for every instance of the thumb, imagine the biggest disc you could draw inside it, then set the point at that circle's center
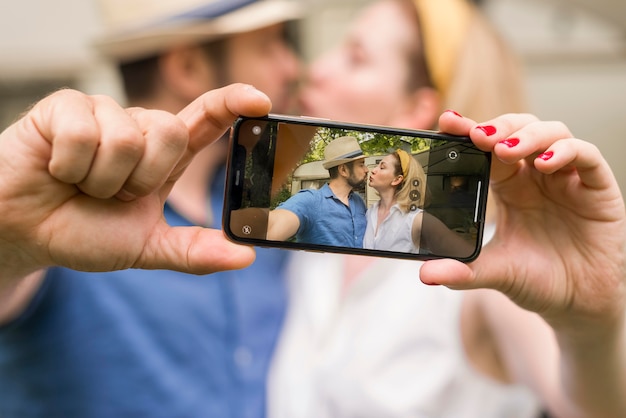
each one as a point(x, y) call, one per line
point(491, 270)
point(211, 114)
point(447, 272)
point(194, 250)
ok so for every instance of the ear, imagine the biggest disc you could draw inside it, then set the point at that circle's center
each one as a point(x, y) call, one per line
point(343, 170)
point(421, 110)
point(186, 72)
point(398, 180)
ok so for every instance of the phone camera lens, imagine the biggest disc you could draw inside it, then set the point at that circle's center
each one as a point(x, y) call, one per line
point(256, 129)
point(453, 155)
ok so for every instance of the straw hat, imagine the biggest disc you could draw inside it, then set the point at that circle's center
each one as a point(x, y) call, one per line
point(342, 150)
point(140, 28)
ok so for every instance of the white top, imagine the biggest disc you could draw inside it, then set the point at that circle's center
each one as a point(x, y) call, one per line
point(394, 233)
point(388, 347)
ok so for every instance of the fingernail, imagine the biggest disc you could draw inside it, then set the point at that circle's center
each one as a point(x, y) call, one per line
point(256, 91)
point(546, 155)
point(454, 113)
point(510, 142)
point(487, 129)
point(431, 284)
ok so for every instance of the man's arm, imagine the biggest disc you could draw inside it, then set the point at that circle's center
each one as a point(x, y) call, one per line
point(282, 225)
point(83, 183)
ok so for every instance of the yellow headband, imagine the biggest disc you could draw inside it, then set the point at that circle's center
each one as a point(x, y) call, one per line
point(404, 161)
point(443, 26)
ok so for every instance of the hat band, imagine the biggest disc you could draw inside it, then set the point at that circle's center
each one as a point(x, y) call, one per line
point(210, 11)
point(352, 154)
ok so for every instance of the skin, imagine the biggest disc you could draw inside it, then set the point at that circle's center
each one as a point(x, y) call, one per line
point(262, 58)
point(364, 78)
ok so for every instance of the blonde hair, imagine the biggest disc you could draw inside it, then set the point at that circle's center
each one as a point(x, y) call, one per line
point(411, 192)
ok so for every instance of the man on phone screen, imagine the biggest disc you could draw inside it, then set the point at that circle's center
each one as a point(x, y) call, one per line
point(334, 214)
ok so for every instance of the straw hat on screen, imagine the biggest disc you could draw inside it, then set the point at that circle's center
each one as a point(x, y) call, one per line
point(342, 150)
point(140, 28)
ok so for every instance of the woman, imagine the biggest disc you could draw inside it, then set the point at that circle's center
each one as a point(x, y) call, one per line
point(394, 222)
point(402, 63)
point(364, 338)
point(397, 221)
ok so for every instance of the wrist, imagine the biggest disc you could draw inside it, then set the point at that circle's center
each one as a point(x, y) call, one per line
point(16, 293)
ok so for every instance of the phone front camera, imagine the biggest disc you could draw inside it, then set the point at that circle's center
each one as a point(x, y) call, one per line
point(256, 129)
point(453, 155)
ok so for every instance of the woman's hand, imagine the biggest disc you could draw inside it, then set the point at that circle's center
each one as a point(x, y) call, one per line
point(561, 224)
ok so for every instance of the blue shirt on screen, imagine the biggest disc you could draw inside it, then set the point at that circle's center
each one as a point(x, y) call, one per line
point(145, 343)
point(326, 220)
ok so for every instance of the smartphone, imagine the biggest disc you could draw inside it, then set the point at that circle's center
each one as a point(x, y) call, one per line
point(319, 185)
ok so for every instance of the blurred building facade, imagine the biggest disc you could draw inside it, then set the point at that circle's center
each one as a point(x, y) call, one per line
point(573, 52)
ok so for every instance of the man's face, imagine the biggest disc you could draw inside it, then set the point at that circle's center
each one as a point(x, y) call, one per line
point(263, 59)
point(357, 173)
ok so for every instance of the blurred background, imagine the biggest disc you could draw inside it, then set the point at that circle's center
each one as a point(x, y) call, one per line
point(573, 53)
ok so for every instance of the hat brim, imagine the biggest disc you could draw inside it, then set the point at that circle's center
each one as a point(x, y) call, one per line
point(143, 42)
point(335, 163)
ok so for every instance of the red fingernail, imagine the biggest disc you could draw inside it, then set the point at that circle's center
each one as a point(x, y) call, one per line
point(454, 113)
point(510, 142)
point(431, 284)
point(546, 155)
point(487, 129)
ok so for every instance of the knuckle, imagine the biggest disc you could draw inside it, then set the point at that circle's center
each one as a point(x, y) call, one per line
point(143, 186)
point(128, 141)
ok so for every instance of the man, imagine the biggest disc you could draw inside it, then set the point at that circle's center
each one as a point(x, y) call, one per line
point(334, 214)
point(155, 343)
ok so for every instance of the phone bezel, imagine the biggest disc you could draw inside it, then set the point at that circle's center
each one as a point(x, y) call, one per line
point(310, 121)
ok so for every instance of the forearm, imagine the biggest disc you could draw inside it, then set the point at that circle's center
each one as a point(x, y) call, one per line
point(593, 371)
point(16, 293)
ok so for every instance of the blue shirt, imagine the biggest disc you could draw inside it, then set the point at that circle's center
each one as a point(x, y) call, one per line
point(324, 219)
point(144, 343)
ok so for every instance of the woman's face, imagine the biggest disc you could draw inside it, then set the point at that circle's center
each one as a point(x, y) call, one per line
point(364, 78)
point(384, 176)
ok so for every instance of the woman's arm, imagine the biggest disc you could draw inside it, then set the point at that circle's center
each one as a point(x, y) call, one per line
point(559, 251)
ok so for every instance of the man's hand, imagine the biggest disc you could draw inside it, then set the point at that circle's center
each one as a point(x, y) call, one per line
point(83, 183)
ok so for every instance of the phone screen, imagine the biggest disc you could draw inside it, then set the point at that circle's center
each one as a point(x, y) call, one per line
point(319, 185)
